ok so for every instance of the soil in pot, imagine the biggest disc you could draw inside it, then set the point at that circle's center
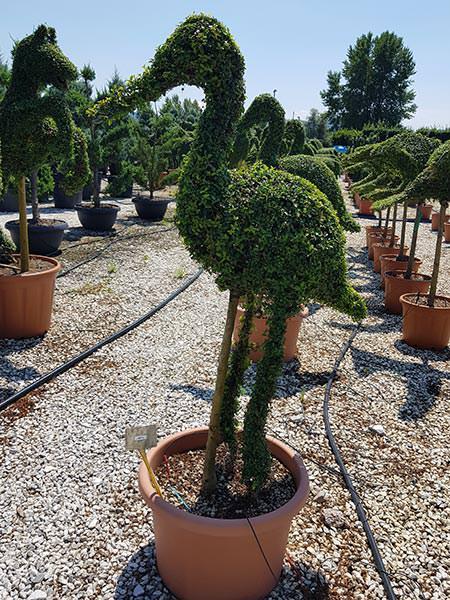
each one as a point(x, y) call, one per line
point(97, 219)
point(395, 285)
point(204, 558)
point(381, 248)
point(390, 262)
point(44, 237)
point(26, 299)
point(258, 334)
point(424, 326)
point(151, 209)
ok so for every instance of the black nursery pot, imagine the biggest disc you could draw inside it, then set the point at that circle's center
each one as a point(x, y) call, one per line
point(9, 202)
point(43, 238)
point(151, 210)
point(98, 219)
point(64, 201)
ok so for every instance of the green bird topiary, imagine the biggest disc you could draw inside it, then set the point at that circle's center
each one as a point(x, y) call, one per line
point(294, 137)
point(35, 127)
point(265, 109)
point(262, 232)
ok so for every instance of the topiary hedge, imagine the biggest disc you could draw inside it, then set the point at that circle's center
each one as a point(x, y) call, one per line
point(261, 231)
point(294, 137)
point(321, 176)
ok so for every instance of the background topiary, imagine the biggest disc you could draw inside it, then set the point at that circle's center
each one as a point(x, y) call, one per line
point(294, 137)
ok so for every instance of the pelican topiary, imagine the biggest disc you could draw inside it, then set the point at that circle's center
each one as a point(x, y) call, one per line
point(261, 231)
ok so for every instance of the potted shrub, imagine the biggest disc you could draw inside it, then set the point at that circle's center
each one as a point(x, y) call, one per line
point(231, 221)
point(96, 215)
point(27, 144)
point(426, 317)
point(151, 166)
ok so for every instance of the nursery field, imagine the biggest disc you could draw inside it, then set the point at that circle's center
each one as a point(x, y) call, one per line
point(73, 523)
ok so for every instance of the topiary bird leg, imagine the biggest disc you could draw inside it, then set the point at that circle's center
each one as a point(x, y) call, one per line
point(255, 452)
point(235, 375)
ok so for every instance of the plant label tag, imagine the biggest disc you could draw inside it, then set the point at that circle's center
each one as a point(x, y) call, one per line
point(141, 438)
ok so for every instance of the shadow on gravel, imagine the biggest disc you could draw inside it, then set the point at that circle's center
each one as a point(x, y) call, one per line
point(423, 382)
point(9, 371)
point(140, 579)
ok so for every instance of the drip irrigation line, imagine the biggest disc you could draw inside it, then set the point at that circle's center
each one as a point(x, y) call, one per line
point(377, 558)
point(89, 351)
point(262, 551)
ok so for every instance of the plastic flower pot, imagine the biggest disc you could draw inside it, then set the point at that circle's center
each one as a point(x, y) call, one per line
point(151, 210)
point(435, 221)
point(97, 219)
point(63, 201)
point(365, 207)
point(201, 558)
point(389, 262)
point(259, 332)
point(374, 238)
point(26, 301)
point(425, 210)
point(447, 232)
point(384, 247)
point(44, 238)
point(395, 285)
point(424, 326)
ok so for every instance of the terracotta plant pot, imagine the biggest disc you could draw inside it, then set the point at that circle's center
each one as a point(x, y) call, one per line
point(374, 229)
point(424, 326)
point(435, 220)
point(384, 248)
point(26, 301)
point(447, 232)
point(425, 210)
point(365, 207)
point(389, 262)
point(202, 558)
point(395, 285)
point(258, 337)
point(376, 237)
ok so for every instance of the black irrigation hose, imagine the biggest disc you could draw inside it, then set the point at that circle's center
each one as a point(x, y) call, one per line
point(379, 564)
point(89, 351)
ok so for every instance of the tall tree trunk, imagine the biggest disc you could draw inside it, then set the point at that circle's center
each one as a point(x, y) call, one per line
point(34, 197)
point(412, 251)
point(380, 223)
point(394, 223)
point(209, 469)
point(96, 194)
point(386, 224)
point(401, 254)
point(23, 224)
point(437, 255)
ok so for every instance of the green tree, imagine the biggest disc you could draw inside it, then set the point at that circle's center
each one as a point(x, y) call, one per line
point(5, 75)
point(374, 84)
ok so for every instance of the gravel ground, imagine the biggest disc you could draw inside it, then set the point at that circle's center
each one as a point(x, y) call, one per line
point(73, 525)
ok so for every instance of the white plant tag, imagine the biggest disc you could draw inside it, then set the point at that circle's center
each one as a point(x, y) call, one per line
point(141, 438)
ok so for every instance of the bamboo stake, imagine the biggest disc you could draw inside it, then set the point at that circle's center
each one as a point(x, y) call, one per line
point(437, 255)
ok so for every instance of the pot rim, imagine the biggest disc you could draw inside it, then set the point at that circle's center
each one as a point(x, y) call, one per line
point(152, 201)
point(393, 257)
point(407, 299)
point(99, 209)
point(56, 267)
point(60, 224)
point(291, 507)
point(390, 275)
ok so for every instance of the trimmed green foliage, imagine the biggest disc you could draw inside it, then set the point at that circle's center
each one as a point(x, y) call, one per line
point(264, 110)
point(6, 248)
point(294, 137)
point(315, 171)
point(441, 134)
point(332, 162)
point(434, 180)
point(261, 231)
point(76, 171)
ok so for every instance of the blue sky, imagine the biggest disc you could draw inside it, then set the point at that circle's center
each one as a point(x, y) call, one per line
point(288, 45)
